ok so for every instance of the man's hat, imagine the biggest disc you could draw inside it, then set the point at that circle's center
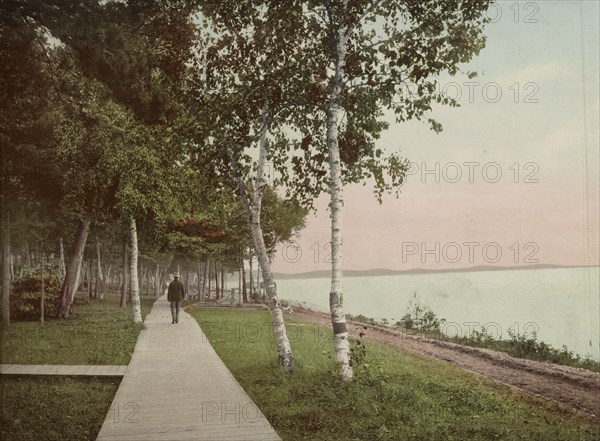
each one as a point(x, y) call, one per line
point(176, 275)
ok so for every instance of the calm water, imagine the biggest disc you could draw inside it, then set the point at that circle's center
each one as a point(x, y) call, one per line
point(562, 305)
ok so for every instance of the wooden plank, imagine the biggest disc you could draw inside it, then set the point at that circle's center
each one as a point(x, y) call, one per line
point(164, 394)
point(57, 369)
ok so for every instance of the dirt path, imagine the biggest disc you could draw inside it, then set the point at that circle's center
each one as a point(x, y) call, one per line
point(564, 388)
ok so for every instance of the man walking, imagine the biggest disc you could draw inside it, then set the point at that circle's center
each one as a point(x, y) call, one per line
point(175, 296)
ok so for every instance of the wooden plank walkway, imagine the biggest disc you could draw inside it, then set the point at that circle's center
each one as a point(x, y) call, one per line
point(176, 388)
point(63, 369)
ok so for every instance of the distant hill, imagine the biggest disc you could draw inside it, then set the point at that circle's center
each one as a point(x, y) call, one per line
point(391, 272)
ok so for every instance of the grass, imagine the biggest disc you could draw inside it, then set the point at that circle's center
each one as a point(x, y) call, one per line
point(59, 408)
point(53, 409)
point(96, 333)
point(394, 395)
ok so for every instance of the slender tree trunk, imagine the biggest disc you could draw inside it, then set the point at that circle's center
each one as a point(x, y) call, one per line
point(199, 274)
point(100, 280)
point(27, 254)
point(135, 289)
point(250, 265)
point(11, 265)
point(208, 278)
point(258, 289)
point(205, 271)
point(124, 278)
point(240, 268)
point(61, 263)
point(5, 300)
point(336, 298)
point(43, 294)
point(244, 291)
point(187, 284)
point(217, 297)
point(73, 271)
point(147, 281)
point(88, 291)
point(107, 279)
point(286, 358)
point(157, 282)
point(223, 281)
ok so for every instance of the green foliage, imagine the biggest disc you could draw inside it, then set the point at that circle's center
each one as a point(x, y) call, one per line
point(361, 319)
point(394, 395)
point(26, 293)
point(420, 317)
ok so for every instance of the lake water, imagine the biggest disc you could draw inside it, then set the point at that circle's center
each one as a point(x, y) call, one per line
point(562, 305)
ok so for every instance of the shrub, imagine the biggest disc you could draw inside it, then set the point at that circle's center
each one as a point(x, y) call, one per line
point(26, 295)
point(419, 317)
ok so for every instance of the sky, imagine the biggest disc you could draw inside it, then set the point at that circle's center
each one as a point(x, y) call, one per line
point(513, 180)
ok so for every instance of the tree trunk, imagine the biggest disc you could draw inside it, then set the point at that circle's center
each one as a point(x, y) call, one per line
point(187, 284)
point(73, 271)
point(223, 287)
point(43, 293)
point(147, 281)
point(240, 268)
point(135, 289)
point(157, 282)
point(108, 278)
point(124, 278)
point(216, 281)
point(244, 288)
point(100, 280)
point(88, 290)
point(286, 358)
point(336, 298)
point(11, 266)
point(205, 271)
point(199, 285)
point(5, 300)
point(252, 287)
point(61, 264)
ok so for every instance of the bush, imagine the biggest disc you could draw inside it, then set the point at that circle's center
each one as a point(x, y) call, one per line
point(26, 295)
point(419, 317)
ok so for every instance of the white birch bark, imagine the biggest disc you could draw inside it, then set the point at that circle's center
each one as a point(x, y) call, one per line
point(135, 288)
point(61, 263)
point(99, 275)
point(336, 297)
point(286, 359)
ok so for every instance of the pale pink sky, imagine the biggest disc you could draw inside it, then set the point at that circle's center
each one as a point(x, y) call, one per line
point(549, 132)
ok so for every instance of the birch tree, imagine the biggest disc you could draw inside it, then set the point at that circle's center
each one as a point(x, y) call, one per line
point(350, 61)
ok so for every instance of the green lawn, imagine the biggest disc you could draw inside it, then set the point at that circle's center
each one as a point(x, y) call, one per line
point(394, 396)
point(96, 333)
point(53, 408)
point(63, 408)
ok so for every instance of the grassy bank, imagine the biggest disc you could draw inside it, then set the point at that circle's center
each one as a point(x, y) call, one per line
point(395, 395)
point(517, 345)
point(58, 408)
point(96, 333)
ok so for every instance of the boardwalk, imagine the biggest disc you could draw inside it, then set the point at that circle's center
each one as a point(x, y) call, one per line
point(63, 369)
point(176, 388)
